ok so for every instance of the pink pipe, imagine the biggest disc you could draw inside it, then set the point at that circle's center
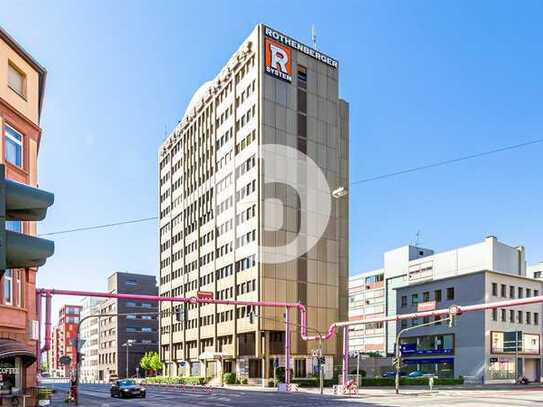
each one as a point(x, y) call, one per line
point(47, 344)
point(303, 327)
point(38, 315)
point(287, 347)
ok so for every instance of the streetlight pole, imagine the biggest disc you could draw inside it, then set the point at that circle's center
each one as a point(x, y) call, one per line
point(128, 344)
point(358, 368)
point(321, 366)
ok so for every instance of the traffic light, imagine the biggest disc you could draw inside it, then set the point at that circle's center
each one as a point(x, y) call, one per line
point(396, 362)
point(20, 202)
point(181, 313)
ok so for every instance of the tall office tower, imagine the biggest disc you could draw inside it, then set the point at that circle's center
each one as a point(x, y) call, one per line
point(239, 203)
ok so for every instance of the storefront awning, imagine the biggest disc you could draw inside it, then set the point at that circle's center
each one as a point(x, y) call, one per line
point(10, 349)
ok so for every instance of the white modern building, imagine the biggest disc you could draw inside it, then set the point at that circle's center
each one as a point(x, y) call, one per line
point(410, 265)
point(90, 333)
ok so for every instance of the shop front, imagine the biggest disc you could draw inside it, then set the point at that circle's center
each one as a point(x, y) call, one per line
point(15, 357)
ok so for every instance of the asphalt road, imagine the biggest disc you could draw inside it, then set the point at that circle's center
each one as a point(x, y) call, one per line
point(98, 395)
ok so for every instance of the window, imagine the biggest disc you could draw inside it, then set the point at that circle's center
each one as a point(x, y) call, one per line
point(536, 293)
point(528, 317)
point(14, 226)
point(504, 315)
point(528, 292)
point(494, 314)
point(511, 316)
point(426, 296)
point(14, 146)
point(519, 317)
point(437, 295)
point(511, 292)
point(520, 292)
point(8, 287)
point(537, 274)
point(404, 301)
point(414, 299)
point(16, 79)
point(450, 293)
point(503, 288)
point(536, 318)
point(495, 289)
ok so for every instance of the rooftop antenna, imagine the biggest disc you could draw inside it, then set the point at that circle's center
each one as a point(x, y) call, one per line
point(314, 36)
point(417, 238)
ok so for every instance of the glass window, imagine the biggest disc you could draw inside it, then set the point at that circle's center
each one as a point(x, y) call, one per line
point(511, 292)
point(437, 295)
point(520, 292)
point(8, 287)
point(16, 79)
point(404, 301)
point(450, 293)
point(426, 296)
point(519, 317)
point(503, 290)
point(494, 314)
point(536, 318)
point(495, 289)
point(14, 146)
point(14, 226)
point(414, 299)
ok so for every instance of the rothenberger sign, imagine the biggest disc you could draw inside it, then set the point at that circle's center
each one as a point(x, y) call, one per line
point(313, 53)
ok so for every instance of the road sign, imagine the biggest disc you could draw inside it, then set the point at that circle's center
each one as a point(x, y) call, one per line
point(204, 295)
point(65, 360)
point(426, 306)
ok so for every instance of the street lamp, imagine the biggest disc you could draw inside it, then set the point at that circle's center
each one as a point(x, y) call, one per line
point(128, 344)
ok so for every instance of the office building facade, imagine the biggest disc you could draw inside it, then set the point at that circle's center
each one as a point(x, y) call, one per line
point(22, 84)
point(481, 345)
point(367, 301)
point(123, 340)
point(90, 335)
point(213, 197)
point(410, 264)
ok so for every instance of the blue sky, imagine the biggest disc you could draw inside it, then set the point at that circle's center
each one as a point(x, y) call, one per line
point(426, 81)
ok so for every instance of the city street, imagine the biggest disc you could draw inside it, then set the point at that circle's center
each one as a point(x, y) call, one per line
point(98, 395)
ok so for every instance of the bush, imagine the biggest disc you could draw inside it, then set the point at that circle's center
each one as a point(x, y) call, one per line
point(280, 373)
point(244, 381)
point(313, 382)
point(199, 380)
point(229, 378)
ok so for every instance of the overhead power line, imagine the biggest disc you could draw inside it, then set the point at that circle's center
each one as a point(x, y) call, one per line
point(360, 181)
point(104, 226)
point(446, 162)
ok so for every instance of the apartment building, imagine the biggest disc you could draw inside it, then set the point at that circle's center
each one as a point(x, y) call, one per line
point(90, 335)
point(367, 301)
point(124, 339)
point(62, 343)
point(22, 84)
point(481, 345)
point(215, 198)
point(535, 271)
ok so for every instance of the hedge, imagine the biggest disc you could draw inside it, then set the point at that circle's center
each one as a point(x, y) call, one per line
point(176, 380)
point(313, 382)
point(416, 381)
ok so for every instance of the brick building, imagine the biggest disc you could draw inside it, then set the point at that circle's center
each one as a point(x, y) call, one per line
point(22, 84)
point(62, 340)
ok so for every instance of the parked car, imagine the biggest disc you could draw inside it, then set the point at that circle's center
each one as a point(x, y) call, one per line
point(392, 373)
point(418, 373)
point(127, 388)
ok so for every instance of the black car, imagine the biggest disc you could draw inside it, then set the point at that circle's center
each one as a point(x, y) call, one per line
point(127, 388)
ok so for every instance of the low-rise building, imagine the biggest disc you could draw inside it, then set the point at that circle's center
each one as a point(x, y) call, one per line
point(481, 345)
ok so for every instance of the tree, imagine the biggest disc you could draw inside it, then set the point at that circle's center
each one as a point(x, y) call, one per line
point(155, 362)
point(145, 361)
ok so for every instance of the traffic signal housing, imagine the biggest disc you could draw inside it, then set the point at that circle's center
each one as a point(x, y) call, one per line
point(21, 202)
point(181, 313)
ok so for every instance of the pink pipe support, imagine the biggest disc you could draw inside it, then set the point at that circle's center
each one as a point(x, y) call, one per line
point(47, 343)
point(38, 315)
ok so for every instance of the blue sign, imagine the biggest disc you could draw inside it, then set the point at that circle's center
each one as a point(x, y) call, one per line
point(411, 348)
